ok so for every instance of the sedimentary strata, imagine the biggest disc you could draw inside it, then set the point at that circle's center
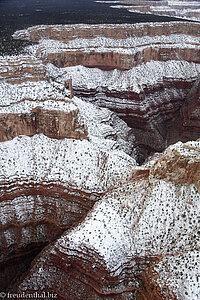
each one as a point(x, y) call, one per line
point(130, 240)
point(43, 106)
point(79, 218)
point(21, 68)
point(144, 75)
point(42, 129)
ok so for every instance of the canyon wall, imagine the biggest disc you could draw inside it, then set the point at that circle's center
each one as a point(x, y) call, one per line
point(80, 218)
point(66, 33)
point(130, 240)
point(46, 136)
point(142, 72)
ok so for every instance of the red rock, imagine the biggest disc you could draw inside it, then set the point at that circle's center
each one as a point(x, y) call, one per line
point(157, 66)
point(98, 225)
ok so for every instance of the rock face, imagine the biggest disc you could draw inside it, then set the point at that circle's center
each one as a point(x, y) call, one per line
point(133, 235)
point(113, 46)
point(180, 165)
point(189, 10)
point(53, 123)
point(36, 204)
point(21, 69)
point(43, 106)
point(144, 75)
point(79, 218)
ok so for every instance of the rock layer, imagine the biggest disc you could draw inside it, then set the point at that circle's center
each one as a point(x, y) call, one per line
point(132, 233)
point(66, 33)
point(54, 124)
point(48, 186)
point(144, 75)
point(44, 191)
point(22, 68)
point(71, 193)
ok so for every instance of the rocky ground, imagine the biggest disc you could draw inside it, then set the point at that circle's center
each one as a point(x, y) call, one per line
point(89, 208)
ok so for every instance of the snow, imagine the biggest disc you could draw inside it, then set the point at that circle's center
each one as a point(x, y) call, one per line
point(135, 221)
point(105, 232)
point(181, 274)
point(74, 163)
point(136, 79)
point(105, 129)
point(21, 98)
point(185, 10)
point(145, 218)
point(101, 44)
point(189, 149)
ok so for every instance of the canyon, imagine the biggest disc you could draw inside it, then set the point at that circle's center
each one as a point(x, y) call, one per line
point(143, 75)
point(100, 189)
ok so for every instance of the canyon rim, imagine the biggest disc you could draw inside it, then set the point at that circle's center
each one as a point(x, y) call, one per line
point(100, 160)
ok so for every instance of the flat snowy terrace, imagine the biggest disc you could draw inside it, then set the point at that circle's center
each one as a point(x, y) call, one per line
point(21, 98)
point(124, 46)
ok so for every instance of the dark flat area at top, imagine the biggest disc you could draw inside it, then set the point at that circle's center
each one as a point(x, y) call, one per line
point(20, 14)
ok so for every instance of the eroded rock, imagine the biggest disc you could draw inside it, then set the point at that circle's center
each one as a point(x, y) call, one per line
point(128, 243)
point(144, 75)
point(69, 181)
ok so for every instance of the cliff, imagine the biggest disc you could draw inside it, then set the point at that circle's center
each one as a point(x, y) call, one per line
point(80, 218)
point(130, 240)
point(144, 75)
point(38, 201)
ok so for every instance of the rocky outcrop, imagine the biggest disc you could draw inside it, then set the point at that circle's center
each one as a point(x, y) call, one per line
point(180, 165)
point(130, 240)
point(55, 124)
point(21, 69)
point(80, 219)
point(144, 75)
point(51, 179)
